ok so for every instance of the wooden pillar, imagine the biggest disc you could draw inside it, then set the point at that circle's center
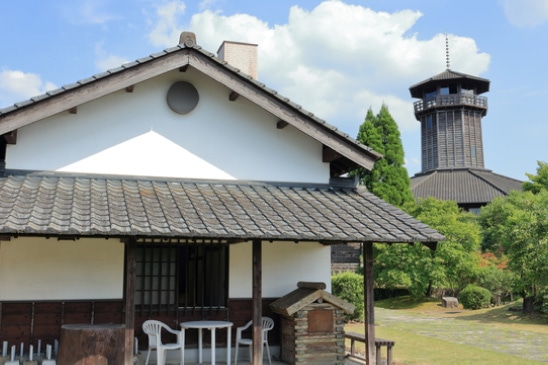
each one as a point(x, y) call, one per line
point(369, 303)
point(257, 303)
point(129, 301)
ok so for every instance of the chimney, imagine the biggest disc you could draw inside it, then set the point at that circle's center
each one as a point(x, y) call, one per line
point(243, 56)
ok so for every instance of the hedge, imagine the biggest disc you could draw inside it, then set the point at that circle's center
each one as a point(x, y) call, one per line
point(349, 287)
point(475, 297)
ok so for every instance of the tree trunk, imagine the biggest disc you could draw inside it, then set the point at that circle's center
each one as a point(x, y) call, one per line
point(429, 289)
point(528, 304)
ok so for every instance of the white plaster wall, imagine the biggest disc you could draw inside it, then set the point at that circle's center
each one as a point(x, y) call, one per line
point(137, 134)
point(47, 269)
point(284, 265)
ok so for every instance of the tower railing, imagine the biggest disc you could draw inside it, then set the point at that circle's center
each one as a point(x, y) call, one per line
point(443, 101)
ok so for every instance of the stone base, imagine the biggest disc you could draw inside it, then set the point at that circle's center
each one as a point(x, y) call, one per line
point(450, 302)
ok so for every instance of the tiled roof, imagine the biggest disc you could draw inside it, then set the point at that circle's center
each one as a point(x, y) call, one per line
point(465, 186)
point(76, 205)
point(482, 85)
point(302, 297)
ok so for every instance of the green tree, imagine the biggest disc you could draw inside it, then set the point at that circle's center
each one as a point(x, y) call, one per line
point(369, 136)
point(451, 266)
point(518, 224)
point(388, 179)
point(539, 181)
point(494, 275)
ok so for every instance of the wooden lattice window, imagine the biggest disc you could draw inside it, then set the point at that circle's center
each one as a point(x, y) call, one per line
point(170, 276)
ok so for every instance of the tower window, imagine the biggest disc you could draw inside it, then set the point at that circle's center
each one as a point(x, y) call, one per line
point(447, 90)
point(428, 122)
point(430, 94)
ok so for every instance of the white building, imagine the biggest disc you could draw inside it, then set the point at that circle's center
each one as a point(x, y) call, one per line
point(170, 188)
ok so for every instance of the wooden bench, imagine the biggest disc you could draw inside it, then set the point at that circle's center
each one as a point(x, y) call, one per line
point(379, 342)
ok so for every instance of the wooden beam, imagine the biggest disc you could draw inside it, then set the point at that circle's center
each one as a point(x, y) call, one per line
point(257, 347)
point(11, 137)
point(87, 92)
point(369, 304)
point(233, 96)
point(281, 124)
point(284, 111)
point(129, 300)
point(329, 155)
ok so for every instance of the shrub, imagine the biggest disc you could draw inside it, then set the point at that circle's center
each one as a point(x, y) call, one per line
point(475, 297)
point(349, 287)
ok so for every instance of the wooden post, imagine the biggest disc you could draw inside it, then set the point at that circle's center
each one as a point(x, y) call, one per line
point(369, 304)
point(129, 301)
point(257, 303)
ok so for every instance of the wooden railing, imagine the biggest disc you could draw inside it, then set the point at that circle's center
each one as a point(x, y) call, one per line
point(379, 343)
point(450, 100)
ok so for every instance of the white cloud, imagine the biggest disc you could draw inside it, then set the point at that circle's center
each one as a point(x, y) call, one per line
point(167, 28)
point(16, 86)
point(338, 60)
point(88, 12)
point(526, 13)
point(105, 61)
point(207, 4)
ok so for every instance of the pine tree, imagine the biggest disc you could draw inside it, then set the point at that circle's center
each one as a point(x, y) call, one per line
point(369, 136)
point(388, 179)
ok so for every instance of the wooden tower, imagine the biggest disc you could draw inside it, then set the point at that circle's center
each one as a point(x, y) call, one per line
point(450, 109)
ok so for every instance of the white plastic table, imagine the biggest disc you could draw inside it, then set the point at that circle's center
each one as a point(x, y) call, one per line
point(212, 326)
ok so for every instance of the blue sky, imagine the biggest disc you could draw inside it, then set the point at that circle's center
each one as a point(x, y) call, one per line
point(335, 58)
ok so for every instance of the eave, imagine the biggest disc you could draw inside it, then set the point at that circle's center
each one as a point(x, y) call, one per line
point(348, 152)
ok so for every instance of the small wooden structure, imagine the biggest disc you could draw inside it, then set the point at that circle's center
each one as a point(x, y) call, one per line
point(312, 325)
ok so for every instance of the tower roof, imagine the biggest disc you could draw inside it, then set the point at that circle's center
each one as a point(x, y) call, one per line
point(480, 84)
point(474, 187)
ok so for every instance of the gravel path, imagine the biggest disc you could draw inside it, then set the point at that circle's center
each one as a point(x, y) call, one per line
point(525, 344)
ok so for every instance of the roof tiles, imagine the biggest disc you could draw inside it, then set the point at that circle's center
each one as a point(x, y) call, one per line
point(58, 205)
point(465, 186)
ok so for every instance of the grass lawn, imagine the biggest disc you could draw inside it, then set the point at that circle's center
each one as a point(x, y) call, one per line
point(426, 333)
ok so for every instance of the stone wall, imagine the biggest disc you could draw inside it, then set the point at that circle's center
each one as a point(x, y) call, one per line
point(345, 257)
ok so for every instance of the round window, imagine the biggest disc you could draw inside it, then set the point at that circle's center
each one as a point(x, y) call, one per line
point(182, 97)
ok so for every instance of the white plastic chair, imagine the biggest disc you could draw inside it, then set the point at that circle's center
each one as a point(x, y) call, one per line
point(154, 331)
point(267, 324)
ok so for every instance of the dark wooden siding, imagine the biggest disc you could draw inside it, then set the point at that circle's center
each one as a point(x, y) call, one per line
point(30, 321)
